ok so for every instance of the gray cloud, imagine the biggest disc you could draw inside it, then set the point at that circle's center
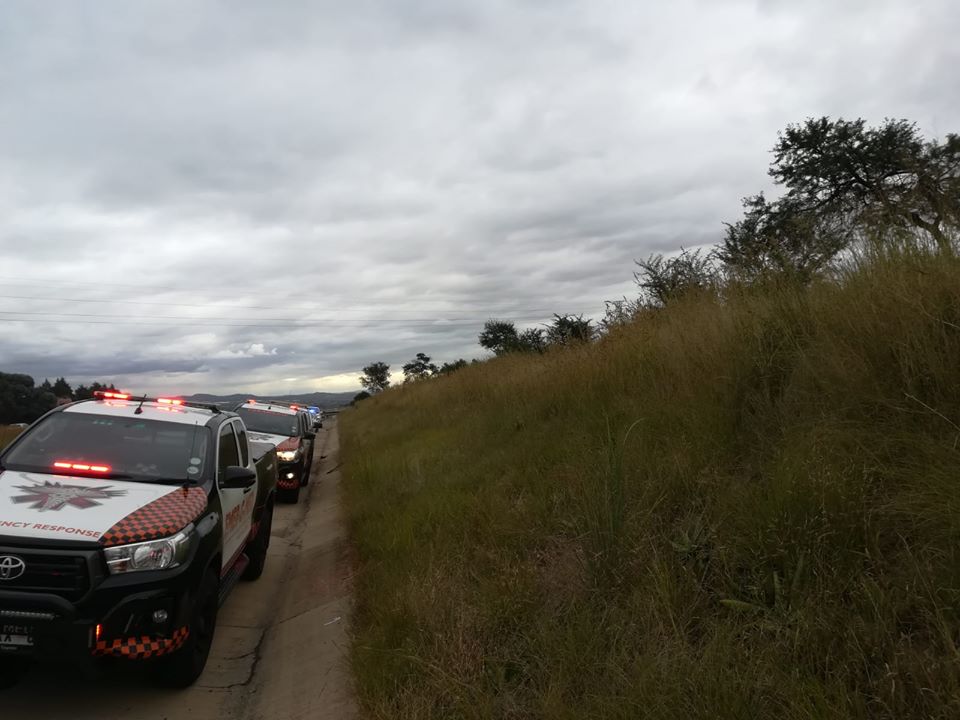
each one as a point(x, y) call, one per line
point(369, 180)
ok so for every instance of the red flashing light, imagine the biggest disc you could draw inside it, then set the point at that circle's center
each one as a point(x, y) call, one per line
point(294, 407)
point(86, 467)
point(111, 395)
point(169, 401)
point(98, 631)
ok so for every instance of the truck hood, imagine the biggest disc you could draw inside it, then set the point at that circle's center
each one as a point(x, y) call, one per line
point(275, 440)
point(113, 512)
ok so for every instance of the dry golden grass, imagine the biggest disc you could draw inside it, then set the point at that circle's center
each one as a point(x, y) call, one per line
point(737, 509)
point(7, 434)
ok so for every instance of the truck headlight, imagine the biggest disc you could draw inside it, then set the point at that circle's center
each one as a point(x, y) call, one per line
point(161, 554)
point(288, 455)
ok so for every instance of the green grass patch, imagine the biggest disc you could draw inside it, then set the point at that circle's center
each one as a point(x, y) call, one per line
point(745, 508)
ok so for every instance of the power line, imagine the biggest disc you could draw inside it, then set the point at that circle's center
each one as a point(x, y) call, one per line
point(217, 320)
point(306, 324)
point(372, 308)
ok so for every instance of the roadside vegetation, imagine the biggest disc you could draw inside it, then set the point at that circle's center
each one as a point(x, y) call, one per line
point(739, 499)
point(7, 434)
point(21, 400)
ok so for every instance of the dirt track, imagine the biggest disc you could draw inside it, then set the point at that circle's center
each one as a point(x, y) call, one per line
point(281, 644)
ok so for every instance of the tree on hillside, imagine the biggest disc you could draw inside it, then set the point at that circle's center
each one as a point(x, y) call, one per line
point(62, 389)
point(533, 340)
point(779, 240)
point(499, 337)
point(46, 386)
point(419, 368)
point(362, 395)
point(376, 377)
point(872, 177)
point(662, 279)
point(449, 367)
point(21, 401)
point(85, 393)
point(569, 330)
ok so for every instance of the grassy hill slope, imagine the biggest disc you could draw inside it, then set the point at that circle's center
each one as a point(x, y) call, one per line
point(737, 509)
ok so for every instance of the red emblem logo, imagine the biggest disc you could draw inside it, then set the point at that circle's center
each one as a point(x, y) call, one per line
point(55, 496)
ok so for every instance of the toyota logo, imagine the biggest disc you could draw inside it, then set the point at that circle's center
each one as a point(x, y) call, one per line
point(11, 567)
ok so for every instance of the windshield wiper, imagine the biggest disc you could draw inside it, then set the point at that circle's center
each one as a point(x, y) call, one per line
point(173, 481)
point(185, 482)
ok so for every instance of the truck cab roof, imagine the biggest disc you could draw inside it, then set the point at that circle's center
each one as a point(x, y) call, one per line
point(153, 409)
point(267, 406)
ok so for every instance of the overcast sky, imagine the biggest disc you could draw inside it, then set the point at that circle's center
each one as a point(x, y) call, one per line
point(252, 196)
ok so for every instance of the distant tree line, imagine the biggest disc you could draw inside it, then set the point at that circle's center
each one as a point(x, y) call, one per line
point(21, 400)
point(376, 376)
point(845, 186)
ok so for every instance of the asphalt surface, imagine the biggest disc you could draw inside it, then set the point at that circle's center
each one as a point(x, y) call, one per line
point(281, 644)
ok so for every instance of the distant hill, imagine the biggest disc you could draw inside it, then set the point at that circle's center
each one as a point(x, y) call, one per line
point(324, 401)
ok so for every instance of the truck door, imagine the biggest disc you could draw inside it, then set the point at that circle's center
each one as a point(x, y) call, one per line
point(237, 505)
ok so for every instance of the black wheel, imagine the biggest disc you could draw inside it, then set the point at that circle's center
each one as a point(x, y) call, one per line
point(305, 474)
point(257, 551)
point(184, 666)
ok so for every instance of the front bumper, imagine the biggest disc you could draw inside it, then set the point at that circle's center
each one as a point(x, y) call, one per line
point(135, 616)
point(289, 474)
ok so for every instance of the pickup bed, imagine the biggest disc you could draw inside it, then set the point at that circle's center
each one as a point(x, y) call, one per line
point(124, 524)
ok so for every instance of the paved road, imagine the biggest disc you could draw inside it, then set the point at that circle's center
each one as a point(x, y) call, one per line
point(281, 644)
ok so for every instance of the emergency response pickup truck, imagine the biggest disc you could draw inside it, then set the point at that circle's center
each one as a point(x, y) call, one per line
point(124, 523)
point(287, 427)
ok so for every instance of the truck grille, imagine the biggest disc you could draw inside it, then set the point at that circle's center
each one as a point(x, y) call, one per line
point(56, 573)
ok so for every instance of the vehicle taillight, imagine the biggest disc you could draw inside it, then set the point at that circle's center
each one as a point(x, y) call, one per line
point(111, 395)
point(85, 467)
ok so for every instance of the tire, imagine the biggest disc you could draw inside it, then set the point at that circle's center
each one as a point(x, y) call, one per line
point(183, 667)
point(305, 473)
point(257, 552)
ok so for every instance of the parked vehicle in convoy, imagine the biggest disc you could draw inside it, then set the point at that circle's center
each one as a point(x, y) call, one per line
point(124, 524)
point(287, 427)
point(317, 417)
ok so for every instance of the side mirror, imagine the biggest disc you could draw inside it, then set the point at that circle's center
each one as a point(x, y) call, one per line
point(237, 477)
point(310, 435)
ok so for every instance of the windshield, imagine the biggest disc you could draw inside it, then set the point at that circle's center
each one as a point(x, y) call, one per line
point(128, 447)
point(266, 421)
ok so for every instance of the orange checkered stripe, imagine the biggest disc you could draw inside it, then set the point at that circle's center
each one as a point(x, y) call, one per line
point(143, 647)
point(163, 517)
point(287, 484)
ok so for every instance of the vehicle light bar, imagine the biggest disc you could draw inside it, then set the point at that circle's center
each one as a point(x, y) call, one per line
point(111, 395)
point(164, 403)
point(86, 467)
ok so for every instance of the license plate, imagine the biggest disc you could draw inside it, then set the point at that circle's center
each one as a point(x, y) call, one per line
point(16, 636)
